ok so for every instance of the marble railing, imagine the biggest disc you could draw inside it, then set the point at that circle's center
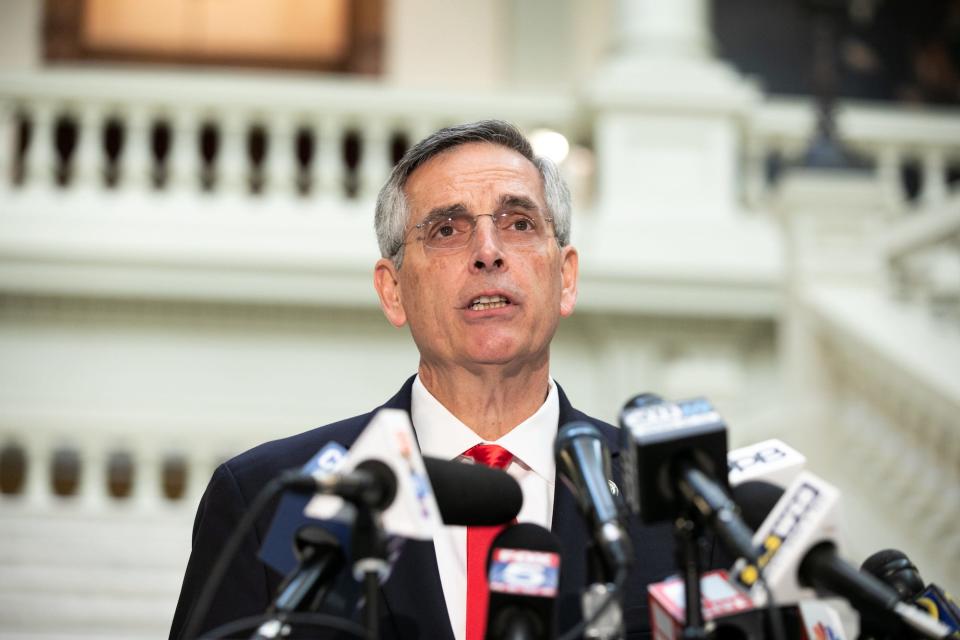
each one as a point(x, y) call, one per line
point(914, 154)
point(923, 254)
point(889, 434)
point(283, 136)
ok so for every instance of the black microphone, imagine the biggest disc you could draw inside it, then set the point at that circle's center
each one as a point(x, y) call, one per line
point(894, 568)
point(523, 570)
point(473, 495)
point(372, 483)
point(680, 452)
point(799, 542)
point(583, 461)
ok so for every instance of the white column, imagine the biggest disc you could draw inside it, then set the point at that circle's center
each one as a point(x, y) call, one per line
point(668, 119)
point(675, 28)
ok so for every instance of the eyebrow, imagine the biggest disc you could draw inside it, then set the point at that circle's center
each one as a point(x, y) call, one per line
point(510, 201)
point(507, 201)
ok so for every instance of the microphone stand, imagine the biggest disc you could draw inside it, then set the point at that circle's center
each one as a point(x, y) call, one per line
point(609, 625)
point(371, 566)
point(320, 560)
point(686, 532)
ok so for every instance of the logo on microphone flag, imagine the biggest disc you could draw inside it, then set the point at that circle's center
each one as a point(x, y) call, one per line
point(524, 572)
point(389, 438)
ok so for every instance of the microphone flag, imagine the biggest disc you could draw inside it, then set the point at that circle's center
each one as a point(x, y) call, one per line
point(389, 438)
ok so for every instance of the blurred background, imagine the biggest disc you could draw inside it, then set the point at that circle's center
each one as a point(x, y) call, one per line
point(767, 207)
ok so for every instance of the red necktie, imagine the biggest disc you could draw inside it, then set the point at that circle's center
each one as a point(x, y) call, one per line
point(478, 546)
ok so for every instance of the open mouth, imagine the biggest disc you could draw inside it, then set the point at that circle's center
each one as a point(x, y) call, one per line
point(488, 302)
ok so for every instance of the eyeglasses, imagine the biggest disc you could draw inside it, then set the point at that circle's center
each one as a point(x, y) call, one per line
point(455, 230)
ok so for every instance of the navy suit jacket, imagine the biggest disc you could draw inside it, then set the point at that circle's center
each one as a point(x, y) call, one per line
point(412, 599)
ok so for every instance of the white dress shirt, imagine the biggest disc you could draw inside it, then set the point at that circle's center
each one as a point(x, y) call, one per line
point(442, 435)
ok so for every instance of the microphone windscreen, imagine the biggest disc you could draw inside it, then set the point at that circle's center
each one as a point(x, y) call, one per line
point(528, 536)
point(473, 495)
point(756, 500)
point(895, 568)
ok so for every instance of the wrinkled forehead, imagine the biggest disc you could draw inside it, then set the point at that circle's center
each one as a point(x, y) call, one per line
point(476, 175)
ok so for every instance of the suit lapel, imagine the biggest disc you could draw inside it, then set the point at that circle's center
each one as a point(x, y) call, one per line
point(413, 594)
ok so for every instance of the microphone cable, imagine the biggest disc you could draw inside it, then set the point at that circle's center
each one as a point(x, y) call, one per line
point(289, 479)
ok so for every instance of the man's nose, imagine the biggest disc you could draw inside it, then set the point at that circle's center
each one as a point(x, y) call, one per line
point(485, 245)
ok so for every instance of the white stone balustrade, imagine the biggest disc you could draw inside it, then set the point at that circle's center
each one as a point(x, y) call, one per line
point(891, 139)
point(232, 107)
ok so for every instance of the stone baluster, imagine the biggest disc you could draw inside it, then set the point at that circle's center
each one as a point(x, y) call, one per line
point(37, 486)
point(40, 163)
point(184, 160)
point(147, 491)
point(86, 169)
point(888, 173)
point(93, 486)
point(8, 144)
point(199, 471)
point(232, 160)
point(280, 168)
point(375, 158)
point(135, 162)
point(329, 167)
point(934, 178)
point(419, 129)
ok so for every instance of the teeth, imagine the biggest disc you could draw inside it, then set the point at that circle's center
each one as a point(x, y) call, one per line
point(488, 302)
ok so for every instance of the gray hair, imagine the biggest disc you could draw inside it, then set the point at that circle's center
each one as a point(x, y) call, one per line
point(392, 213)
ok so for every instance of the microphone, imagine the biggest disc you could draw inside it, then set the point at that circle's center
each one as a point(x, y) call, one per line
point(895, 569)
point(680, 453)
point(372, 483)
point(583, 461)
point(305, 590)
point(523, 569)
point(473, 495)
point(799, 542)
point(771, 461)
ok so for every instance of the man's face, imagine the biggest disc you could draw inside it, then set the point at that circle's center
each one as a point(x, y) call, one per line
point(436, 290)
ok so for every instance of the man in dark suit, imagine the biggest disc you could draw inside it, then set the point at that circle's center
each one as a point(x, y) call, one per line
point(474, 233)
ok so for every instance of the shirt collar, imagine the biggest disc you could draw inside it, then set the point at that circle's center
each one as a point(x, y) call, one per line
point(441, 434)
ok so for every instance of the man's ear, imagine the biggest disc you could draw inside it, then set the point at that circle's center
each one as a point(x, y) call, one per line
point(386, 280)
point(569, 270)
